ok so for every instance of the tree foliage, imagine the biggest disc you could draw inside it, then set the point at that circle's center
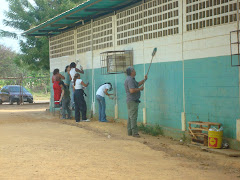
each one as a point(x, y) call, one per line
point(11, 65)
point(25, 14)
point(7, 66)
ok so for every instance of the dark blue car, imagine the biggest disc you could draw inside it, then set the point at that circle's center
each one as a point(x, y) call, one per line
point(13, 93)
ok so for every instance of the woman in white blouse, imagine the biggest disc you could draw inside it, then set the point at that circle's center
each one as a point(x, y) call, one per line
point(80, 103)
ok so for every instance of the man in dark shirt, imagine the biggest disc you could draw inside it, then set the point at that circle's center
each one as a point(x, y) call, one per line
point(65, 99)
point(133, 89)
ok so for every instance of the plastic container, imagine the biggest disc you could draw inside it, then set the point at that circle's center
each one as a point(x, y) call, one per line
point(215, 139)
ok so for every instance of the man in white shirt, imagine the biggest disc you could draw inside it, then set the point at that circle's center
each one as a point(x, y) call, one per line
point(73, 71)
point(100, 95)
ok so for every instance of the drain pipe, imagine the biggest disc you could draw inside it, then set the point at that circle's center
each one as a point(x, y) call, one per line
point(238, 120)
point(238, 51)
point(93, 81)
point(183, 114)
point(114, 48)
point(145, 105)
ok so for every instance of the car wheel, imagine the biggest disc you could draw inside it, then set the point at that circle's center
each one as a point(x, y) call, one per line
point(11, 101)
point(30, 101)
point(0, 101)
point(18, 102)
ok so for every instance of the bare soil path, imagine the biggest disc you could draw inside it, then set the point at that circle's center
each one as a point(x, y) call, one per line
point(36, 145)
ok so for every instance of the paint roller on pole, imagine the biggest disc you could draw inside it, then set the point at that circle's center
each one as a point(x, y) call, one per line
point(144, 109)
point(153, 54)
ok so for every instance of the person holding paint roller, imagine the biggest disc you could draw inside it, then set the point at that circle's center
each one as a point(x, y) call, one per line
point(133, 90)
point(100, 95)
point(73, 71)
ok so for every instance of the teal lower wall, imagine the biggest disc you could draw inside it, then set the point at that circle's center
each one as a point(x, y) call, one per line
point(211, 92)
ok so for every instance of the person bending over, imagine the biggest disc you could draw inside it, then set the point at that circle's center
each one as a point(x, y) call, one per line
point(100, 95)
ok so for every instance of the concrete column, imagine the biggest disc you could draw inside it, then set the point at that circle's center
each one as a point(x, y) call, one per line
point(238, 129)
point(183, 115)
point(114, 35)
point(144, 72)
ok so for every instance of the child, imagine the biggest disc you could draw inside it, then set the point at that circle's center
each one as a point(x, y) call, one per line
point(80, 103)
point(65, 99)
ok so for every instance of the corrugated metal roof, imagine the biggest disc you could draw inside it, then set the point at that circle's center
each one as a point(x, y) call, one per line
point(86, 11)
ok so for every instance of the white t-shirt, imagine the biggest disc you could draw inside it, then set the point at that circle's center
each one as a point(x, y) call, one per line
point(72, 73)
point(102, 88)
point(78, 84)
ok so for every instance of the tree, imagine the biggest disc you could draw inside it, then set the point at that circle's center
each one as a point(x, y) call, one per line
point(7, 66)
point(23, 15)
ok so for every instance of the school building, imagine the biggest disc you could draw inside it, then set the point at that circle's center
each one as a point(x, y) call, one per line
point(195, 75)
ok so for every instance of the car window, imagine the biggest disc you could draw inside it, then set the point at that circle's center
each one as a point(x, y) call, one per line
point(17, 89)
point(4, 89)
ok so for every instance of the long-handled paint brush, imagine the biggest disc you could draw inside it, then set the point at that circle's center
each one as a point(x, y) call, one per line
point(153, 54)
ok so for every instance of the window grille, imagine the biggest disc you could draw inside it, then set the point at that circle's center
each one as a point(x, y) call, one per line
point(114, 62)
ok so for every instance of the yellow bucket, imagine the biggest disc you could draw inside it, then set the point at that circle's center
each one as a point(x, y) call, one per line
point(215, 139)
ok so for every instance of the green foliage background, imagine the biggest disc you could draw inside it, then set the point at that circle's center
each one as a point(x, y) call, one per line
point(23, 15)
point(11, 65)
point(32, 63)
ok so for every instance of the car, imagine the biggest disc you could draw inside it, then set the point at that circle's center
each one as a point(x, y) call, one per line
point(13, 93)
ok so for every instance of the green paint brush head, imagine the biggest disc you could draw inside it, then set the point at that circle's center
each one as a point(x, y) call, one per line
point(154, 52)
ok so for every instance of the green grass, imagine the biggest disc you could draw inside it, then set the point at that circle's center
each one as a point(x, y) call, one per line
point(40, 96)
point(152, 130)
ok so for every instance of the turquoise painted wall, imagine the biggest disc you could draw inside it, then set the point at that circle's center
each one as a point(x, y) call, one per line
point(211, 93)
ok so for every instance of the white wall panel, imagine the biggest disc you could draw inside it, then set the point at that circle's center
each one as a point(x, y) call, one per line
point(157, 23)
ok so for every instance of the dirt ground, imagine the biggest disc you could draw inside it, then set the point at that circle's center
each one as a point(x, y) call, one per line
point(37, 145)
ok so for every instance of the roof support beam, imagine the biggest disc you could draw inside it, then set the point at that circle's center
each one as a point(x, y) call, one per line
point(76, 18)
point(53, 30)
point(47, 34)
point(100, 9)
point(59, 25)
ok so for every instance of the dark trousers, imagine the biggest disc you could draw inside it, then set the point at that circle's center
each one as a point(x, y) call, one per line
point(80, 105)
point(132, 117)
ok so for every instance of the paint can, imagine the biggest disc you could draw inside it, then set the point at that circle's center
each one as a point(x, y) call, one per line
point(215, 139)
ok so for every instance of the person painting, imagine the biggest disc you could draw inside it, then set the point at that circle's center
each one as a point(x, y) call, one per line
point(133, 88)
point(80, 103)
point(56, 78)
point(72, 72)
point(67, 76)
point(100, 95)
point(65, 99)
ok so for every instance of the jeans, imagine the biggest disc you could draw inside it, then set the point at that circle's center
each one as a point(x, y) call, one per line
point(72, 94)
point(80, 105)
point(65, 107)
point(102, 107)
point(132, 117)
